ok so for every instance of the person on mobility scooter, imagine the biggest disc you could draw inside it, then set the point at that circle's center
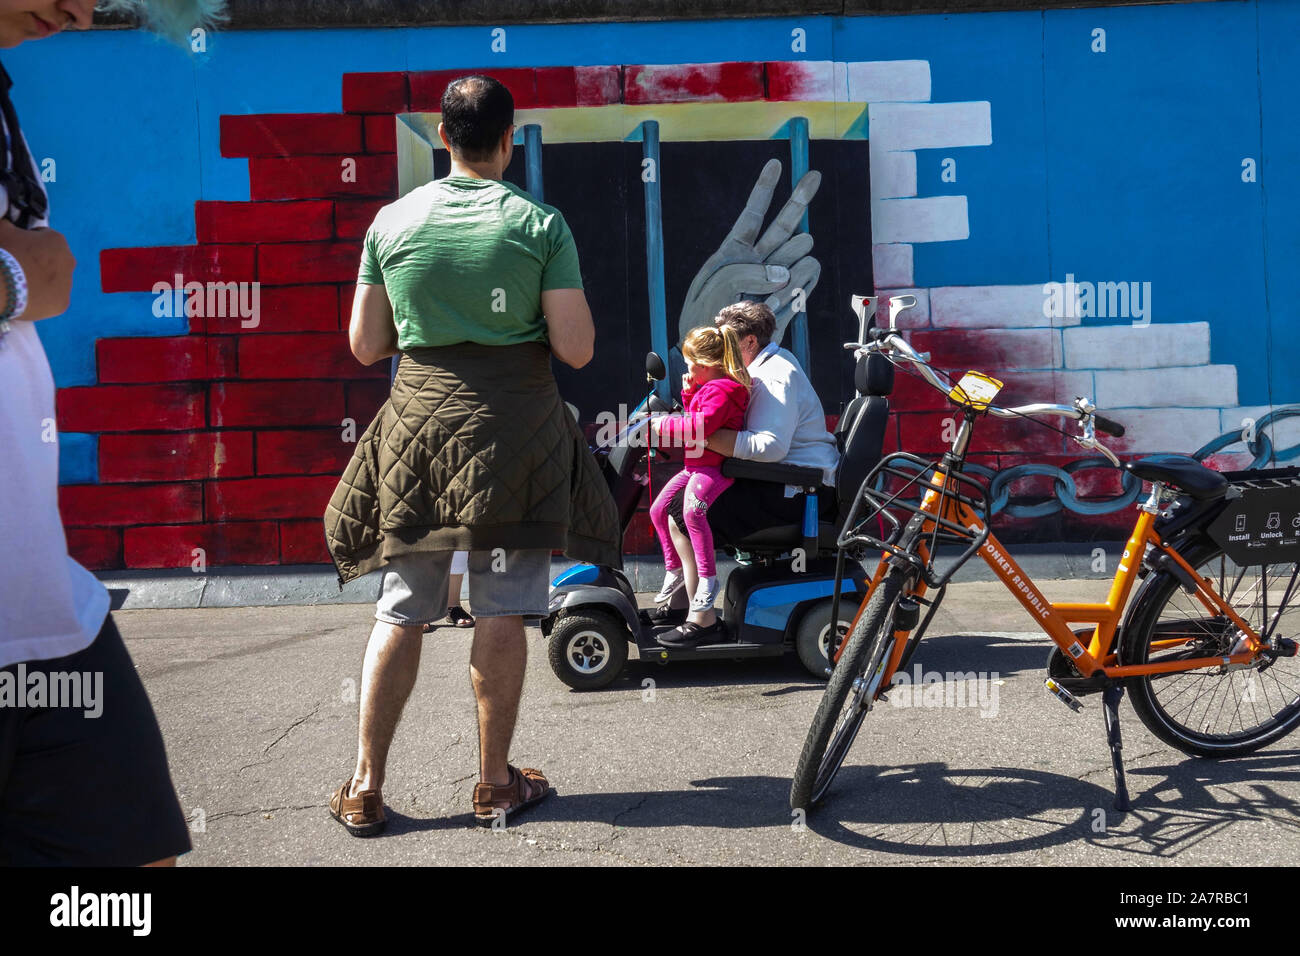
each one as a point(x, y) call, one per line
point(780, 600)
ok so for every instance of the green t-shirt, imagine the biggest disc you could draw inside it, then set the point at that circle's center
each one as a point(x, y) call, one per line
point(467, 260)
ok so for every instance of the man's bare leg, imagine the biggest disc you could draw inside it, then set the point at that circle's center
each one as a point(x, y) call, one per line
point(497, 662)
point(682, 542)
point(387, 677)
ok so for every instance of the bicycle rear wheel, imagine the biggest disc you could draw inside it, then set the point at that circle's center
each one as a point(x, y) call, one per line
point(1209, 712)
point(850, 693)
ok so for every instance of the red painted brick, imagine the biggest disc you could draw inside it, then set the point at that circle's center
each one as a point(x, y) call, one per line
point(268, 404)
point(353, 217)
point(171, 359)
point(922, 433)
point(306, 355)
point(693, 83)
point(300, 221)
point(347, 293)
point(556, 86)
point(138, 270)
point(299, 308)
point(99, 506)
point(913, 394)
point(988, 351)
point(799, 81)
point(290, 134)
point(303, 542)
point(187, 456)
point(365, 399)
point(381, 134)
point(129, 408)
point(254, 498)
point(99, 549)
point(1010, 530)
point(301, 263)
point(597, 85)
point(375, 93)
point(323, 177)
point(172, 546)
point(427, 86)
point(301, 452)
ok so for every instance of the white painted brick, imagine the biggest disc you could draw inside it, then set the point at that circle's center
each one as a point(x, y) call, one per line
point(1128, 346)
point(842, 82)
point(1284, 433)
point(931, 219)
point(889, 81)
point(900, 126)
point(1197, 386)
point(891, 265)
point(917, 317)
point(991, 307)
point(818, 80)
point(1151, 430)
point(893, 174)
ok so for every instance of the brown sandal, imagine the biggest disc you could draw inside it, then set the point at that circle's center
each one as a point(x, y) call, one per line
point(362, 815)
point(493, 801)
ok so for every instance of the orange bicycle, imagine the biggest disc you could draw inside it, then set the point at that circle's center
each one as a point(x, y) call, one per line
point(1201, 649)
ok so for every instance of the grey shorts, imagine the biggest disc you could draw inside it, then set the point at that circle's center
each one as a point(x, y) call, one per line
point(413, 589)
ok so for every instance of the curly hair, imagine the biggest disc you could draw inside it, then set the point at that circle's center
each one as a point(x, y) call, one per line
point(171, 19)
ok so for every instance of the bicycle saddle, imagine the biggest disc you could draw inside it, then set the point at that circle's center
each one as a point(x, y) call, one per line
point(1181, 472)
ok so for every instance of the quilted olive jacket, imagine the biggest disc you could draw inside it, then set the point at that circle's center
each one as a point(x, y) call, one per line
point(473, 450)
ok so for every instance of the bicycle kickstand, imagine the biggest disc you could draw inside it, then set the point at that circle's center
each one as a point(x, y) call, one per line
point(1110, 700)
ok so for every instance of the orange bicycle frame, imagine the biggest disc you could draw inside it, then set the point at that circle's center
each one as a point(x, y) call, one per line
point(1055, 619)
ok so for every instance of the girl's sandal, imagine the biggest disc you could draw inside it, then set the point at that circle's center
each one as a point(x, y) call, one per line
point(459, 616)
point(502, 801)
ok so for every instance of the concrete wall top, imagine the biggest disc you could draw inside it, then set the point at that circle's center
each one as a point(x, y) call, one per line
point(269, 14)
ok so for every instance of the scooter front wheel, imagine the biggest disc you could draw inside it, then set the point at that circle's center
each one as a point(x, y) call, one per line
point(588, 649)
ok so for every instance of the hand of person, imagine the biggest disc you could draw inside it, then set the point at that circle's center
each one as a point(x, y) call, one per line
point(777, 264)
point(47, 264)
point(687, 381)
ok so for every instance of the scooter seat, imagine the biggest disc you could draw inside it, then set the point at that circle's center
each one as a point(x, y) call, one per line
point(783, 537)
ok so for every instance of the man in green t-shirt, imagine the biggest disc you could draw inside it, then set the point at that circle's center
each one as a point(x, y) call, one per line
point(458, 264)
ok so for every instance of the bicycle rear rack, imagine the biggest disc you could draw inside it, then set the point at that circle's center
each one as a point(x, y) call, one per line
point(891, 495)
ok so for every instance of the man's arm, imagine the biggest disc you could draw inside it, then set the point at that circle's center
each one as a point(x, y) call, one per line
point(47, 265)
point(371, 331)
point(569, 325)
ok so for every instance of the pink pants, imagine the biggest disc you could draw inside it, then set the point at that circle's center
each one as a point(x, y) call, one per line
point(703, 484)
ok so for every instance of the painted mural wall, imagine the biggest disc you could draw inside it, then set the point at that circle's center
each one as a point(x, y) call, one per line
point(1084, 202)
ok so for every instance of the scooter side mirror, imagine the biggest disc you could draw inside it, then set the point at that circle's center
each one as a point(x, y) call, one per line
point(654, 367)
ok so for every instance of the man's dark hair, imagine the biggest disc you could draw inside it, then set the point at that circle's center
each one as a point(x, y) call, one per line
point(476, 112)
point(749, 318)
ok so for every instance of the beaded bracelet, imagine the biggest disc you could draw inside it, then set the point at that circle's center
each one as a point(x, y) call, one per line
point(16, 285)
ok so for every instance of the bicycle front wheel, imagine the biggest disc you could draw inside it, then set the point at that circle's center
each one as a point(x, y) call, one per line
point(849, 694)
point(1210, 712)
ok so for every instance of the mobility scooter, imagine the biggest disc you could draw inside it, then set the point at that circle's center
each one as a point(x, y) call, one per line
point(780, 600)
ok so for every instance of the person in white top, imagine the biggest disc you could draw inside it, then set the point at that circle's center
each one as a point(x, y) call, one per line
point(83, 775)
point(785, 423)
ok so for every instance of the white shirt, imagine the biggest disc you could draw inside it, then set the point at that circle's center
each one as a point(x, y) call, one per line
point(785, 422)
point(50, 606)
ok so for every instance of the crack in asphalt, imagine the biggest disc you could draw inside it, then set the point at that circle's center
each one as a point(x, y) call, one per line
point(222, 814)
point(288, 730)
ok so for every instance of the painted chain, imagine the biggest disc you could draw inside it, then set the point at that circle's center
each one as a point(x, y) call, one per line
point(1067, 491)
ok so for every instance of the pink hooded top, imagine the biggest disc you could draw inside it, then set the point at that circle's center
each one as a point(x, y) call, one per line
point(720, 403)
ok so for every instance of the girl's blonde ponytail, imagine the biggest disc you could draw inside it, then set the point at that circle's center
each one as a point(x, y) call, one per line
point(733, 362)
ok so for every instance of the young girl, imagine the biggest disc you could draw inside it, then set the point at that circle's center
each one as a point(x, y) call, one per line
point(715, 394)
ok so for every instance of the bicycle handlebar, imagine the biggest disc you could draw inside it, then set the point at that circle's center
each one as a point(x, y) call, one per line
point(1082, 411)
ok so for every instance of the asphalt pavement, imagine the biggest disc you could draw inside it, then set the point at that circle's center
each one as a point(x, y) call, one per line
point(687, 763)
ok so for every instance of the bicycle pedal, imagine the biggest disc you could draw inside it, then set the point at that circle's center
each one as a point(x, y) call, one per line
point(1063, 695)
